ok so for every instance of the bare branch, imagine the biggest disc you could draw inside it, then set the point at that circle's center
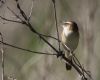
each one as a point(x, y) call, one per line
point(21, 11)
point(50, 37)
point(76, 61)
point(10, 20)
point(34, 31)
point(24, 23)
point(26, 49)
point(56, 21)
point(2, 52)
point(31, 11)
point(15, 14)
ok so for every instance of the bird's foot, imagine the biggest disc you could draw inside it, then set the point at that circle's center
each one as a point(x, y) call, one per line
point(60, 54)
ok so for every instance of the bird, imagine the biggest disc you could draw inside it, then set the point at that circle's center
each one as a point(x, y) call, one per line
point(69, 39)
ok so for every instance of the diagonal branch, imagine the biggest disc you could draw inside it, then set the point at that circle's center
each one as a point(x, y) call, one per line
point(22, 22)
point(34, 31)
point(21, 11)
point(15, 14)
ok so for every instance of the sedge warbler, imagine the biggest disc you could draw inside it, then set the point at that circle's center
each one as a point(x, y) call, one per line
point(70, 39)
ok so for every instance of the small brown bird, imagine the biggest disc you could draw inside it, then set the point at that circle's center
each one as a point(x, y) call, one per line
point(70, 38)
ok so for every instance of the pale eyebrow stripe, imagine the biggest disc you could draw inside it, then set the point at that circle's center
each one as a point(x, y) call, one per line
point(67, 22)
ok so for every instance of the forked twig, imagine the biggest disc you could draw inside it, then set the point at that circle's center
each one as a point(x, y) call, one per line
point(15, 14)
point(22, 22)
point(21, 11)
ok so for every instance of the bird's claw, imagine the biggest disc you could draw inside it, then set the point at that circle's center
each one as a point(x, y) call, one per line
point(60, 54)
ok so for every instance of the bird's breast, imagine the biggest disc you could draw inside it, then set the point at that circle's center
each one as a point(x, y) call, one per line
point(70, 39)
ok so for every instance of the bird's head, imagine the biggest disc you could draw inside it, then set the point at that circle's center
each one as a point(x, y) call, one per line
point(70, 26)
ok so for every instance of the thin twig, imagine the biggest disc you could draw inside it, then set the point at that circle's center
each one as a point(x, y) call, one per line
point(2, 52)
point(10, 20)
point(24, 23)
point(56, 21)
point(21, 11)
point(80, 66)
point(34, 31)
point(14, 13)
point(31, 11)
point(26, 49)
point(27, 23)
point(50, 37)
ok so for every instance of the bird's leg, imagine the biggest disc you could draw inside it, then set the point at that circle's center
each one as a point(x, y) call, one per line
point(61, 54)
point(70, 55)
point(69, 52)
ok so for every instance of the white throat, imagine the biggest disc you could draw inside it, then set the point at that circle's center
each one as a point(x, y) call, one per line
point(66, 31)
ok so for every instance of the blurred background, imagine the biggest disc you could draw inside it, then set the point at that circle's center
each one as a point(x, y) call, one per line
point(22, 65)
